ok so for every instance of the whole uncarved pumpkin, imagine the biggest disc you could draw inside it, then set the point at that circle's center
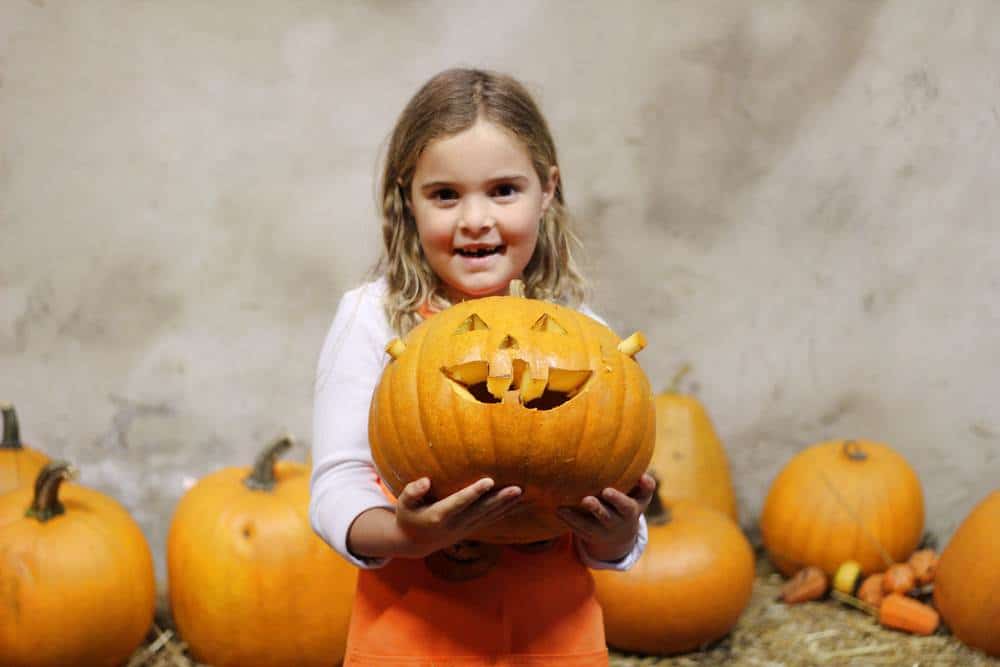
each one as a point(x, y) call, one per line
point(76, 576)
point(19, 465)
point(967, 582)
point(843, 500)
point(689, 588)
point(526, 392)
point(249, 582)
point(689, 459)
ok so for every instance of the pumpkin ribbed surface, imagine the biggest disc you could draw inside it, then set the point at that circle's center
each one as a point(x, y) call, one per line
point(249, 581)
point(75, 589)
point(839, 501)
point(967, 582)
point(689, 458)
point(690, 587)
point(524, 391)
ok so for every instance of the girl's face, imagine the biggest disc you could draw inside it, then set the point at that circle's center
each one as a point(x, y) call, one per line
point(477, 202)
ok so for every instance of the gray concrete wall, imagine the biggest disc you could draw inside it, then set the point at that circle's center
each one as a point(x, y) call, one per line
point(798, 199)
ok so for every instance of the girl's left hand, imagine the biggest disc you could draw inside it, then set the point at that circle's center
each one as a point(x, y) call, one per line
point(608, 526)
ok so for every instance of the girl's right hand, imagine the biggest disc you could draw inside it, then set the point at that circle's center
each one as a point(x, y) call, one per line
point(430, 526)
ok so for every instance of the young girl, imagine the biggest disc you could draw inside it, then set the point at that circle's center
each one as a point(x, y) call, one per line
point(471, 199)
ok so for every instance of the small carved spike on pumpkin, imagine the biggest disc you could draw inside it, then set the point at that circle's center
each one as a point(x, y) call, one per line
point(395, 348)
point(633, 344)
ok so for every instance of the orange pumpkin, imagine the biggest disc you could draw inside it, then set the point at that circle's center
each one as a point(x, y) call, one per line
point(689, 458)
point(689, 588)
point(523, 391)
point(249, 582)
point(966, 585)
point(843, 500)
point(76, 576)
point(19, 465)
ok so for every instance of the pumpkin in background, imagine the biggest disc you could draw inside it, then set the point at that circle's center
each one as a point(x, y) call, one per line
point(689, 459)
point(966, 585)
point(843, 500)
point(19, 465)
point(526, 392)
point(249, 581)
point(77, 585)
point(689, 588)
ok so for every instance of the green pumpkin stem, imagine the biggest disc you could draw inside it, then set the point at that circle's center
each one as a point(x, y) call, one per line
point(11, 429)
point(46, 505)
point(262, 477)
point(657, 514)
point(516, 288)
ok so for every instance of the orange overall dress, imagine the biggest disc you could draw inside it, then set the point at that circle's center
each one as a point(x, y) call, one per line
point(529, 609)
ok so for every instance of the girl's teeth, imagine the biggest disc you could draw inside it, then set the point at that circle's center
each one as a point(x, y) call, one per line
point(481, 252)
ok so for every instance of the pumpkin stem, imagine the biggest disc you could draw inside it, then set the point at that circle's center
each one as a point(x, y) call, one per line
point(11, 430)
point(675, 382)
point(853, 451)
point(45, 505)
point(657, 514)
point(262, 477)
point(516, 288)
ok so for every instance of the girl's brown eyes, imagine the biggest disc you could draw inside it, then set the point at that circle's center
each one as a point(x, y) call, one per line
point(444, 195)
point(448, 195)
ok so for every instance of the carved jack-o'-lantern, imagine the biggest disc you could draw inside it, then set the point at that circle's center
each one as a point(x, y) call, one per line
point(524, 391)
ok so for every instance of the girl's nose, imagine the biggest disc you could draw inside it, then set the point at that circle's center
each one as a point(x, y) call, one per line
point(475, 215)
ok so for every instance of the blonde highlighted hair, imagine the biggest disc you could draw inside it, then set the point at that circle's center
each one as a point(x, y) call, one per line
point(449, 103)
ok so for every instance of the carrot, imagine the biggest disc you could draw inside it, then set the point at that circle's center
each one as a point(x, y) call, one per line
point(899, 578)
point(924, 564)
point(871, 590)
point(901, 612)
point(809, 583)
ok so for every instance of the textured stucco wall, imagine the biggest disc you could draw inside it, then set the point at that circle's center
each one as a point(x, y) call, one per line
point(798, 199)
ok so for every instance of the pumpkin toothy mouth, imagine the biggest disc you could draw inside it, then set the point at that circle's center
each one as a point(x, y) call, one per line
point(474, 382)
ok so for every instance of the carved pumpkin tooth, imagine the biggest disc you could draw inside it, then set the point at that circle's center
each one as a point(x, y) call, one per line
point(633, 344)
point(533, 383)
point(567, 381)
point(498, 385)
point(469, 373)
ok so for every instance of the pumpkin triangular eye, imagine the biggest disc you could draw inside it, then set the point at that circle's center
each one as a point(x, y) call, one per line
point(472, 323)
point(546, 323)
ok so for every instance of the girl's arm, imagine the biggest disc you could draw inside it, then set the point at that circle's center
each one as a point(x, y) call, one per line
point(344, 483)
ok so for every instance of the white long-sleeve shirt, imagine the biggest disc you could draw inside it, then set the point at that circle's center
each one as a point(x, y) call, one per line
point(344, 481)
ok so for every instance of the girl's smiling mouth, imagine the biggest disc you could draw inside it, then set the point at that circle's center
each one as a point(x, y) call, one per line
point(484, 251)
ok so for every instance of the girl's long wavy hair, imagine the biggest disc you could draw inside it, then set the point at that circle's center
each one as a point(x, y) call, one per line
point(449, 103)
